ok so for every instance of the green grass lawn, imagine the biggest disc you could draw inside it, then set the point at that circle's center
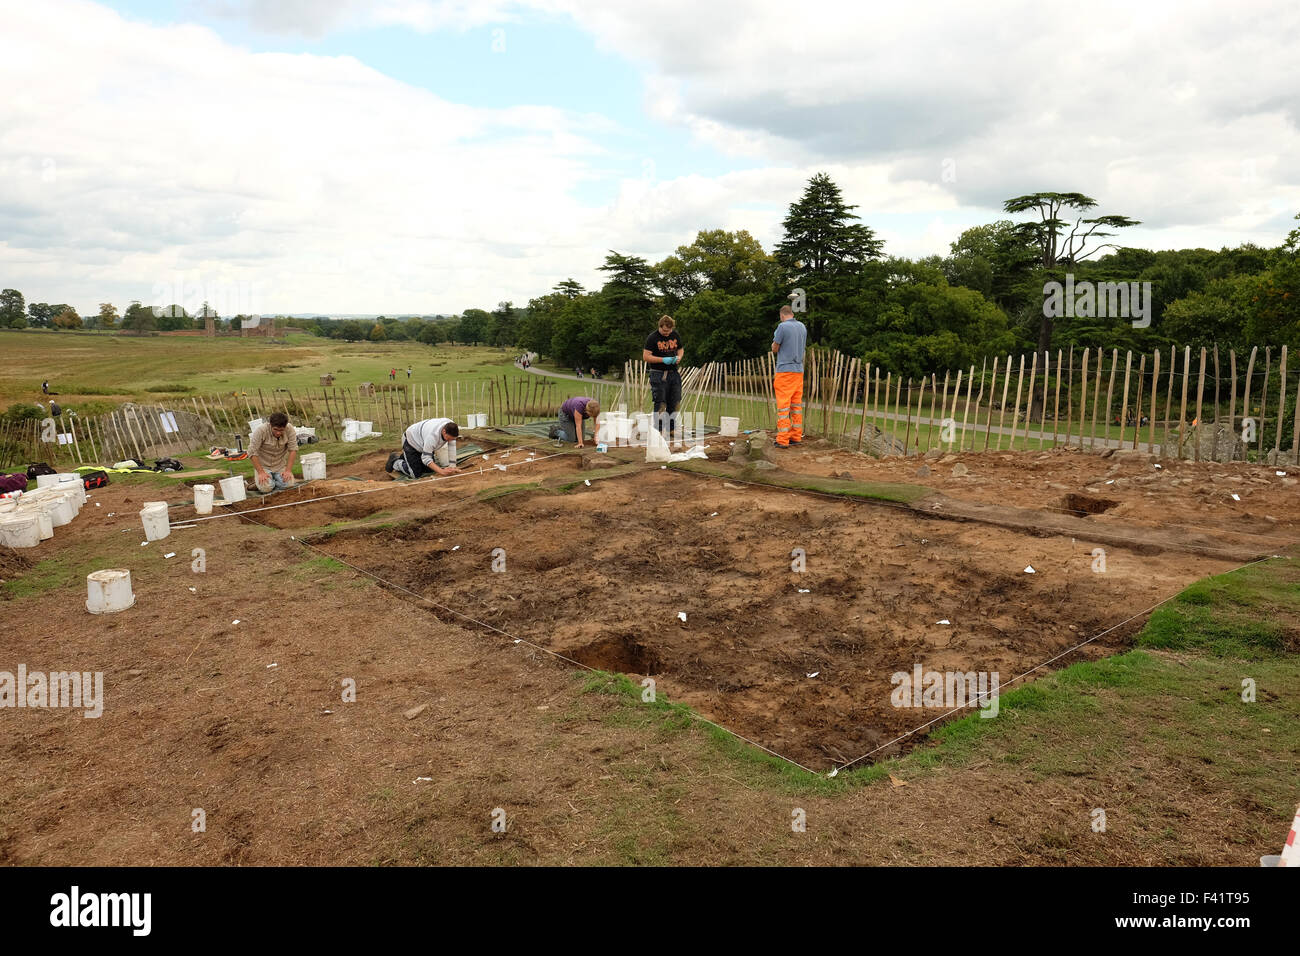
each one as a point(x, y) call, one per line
point(92, 371)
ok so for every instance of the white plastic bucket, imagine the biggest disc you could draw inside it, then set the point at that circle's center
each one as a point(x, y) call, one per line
point(482, 419)
point(351, 430)
point(71, 481)
point(108, 591)
point(313, 466)
point(60, 509)
point(367, 428)
point(46, 524)
point(203, 499)
point(730, 427)
point(232, 489)
point(643, 425)
point(46, 481)
point(74, 489)
point(20, 531)
point(154, 518)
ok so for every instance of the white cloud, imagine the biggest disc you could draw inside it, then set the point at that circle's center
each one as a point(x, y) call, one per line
point(151, 150)
point(319, 180)
point(1154, 108)
point(317, 18)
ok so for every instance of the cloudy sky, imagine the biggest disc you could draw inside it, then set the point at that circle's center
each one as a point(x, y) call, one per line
point(427, 156)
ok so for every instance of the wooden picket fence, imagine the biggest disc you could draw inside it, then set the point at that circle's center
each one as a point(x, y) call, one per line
point(146, 432)
point(1171, 404)
point(1174, 405)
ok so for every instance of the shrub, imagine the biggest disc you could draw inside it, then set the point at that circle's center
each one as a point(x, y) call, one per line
point(22, 411)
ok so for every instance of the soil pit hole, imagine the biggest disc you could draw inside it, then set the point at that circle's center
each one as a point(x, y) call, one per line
point(1083, 505)
point(621, 654)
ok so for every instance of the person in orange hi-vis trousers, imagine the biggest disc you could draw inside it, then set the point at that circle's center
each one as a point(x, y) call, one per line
point(788, 343)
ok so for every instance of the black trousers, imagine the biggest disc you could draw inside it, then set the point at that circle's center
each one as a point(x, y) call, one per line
point(666, 393)
point(413, 461)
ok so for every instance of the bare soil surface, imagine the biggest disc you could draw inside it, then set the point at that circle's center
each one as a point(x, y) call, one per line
point(224, 690)
point(1197, 496)
point(801, 663)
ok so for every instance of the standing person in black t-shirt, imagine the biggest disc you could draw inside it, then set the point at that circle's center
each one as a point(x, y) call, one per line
point(663, 353)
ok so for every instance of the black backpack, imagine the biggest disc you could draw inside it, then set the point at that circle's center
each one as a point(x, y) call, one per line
point(167, 464)
point(39, 468)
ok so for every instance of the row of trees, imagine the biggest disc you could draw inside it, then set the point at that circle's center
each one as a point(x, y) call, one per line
point(474, 327)
point(914, 316)
point(14, 314)
point(910, 316)
point(138, 318)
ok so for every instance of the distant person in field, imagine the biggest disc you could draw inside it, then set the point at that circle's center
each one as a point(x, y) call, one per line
point(663, 353)
point(428, 447)
point(272, 450)
point(573, 416)
point(788, 343)
point(45, 386)
point(408, 371)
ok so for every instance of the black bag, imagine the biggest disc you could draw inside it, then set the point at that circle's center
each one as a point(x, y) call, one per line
point(167, 464)
point(39, 468)
point(94, 479)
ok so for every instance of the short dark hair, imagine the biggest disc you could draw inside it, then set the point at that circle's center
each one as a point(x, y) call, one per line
point(279, 419)
point(452, 429)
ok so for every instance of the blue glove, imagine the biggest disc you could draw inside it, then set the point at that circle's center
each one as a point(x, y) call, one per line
point(670, 360)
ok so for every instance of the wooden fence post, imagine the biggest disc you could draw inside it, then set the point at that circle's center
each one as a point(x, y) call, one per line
point(1281, 404)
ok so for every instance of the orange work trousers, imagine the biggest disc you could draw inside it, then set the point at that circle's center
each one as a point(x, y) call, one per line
point(789, 407)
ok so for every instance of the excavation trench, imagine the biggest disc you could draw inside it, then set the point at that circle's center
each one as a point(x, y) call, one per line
point(801, 610)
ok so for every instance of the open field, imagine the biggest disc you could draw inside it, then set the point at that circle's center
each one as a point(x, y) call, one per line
point(100, 368)
point(392, 587)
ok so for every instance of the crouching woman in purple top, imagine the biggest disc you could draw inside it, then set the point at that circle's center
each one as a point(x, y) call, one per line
point(573, 414)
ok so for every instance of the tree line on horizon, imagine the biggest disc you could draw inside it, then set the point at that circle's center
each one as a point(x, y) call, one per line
point(904, 315)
